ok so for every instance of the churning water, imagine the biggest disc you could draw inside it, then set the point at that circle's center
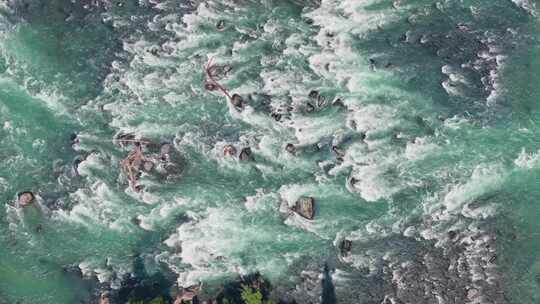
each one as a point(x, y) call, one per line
point(414, 125)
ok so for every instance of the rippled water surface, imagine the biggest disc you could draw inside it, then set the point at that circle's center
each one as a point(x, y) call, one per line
point(413, 124)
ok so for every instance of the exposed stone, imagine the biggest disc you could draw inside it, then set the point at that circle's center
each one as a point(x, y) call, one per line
point(305, 207)
point(245, 154)
point(310, 108)
point(321, 101)
point(74, 139)
point(25, 198)
point(345, 247)
point(220, 26)
point(338, 103)
point(229, 150)
point(237, 101)
point(290, 148)
point(472, 294)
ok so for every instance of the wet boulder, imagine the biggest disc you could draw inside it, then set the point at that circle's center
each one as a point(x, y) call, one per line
point(309, 107)
point(345, 247)
point(220, 26)
point(25, 198)
point(305, 207)
point(338, 102)
point(229, 150)
point(74, 139)
point(245, 154)
point(237, 101)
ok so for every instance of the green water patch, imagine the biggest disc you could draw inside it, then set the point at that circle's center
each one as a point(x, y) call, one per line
point(23, 280)
point(59, 48)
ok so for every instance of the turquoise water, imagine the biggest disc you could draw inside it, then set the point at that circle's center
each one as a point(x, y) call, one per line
point(432, 107)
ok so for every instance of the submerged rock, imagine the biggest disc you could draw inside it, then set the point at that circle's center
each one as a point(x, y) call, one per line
point(188, 295)
point(290, 148)
point(210, 86)
point(25, 198)
point(305, 207)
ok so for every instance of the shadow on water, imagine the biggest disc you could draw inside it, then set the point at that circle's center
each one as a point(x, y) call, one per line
point(140, 285)
point(328, 289)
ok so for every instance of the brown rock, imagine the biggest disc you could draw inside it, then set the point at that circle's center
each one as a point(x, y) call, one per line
point(305, 207)
point(237, 101)
point(472, 294)
point(25, 198)
point(229, 150)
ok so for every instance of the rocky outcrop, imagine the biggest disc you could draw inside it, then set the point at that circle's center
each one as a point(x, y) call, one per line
point(229, 150)
point(25, 198)
point(305, 207)
point(245, 154)
point(345, 247)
